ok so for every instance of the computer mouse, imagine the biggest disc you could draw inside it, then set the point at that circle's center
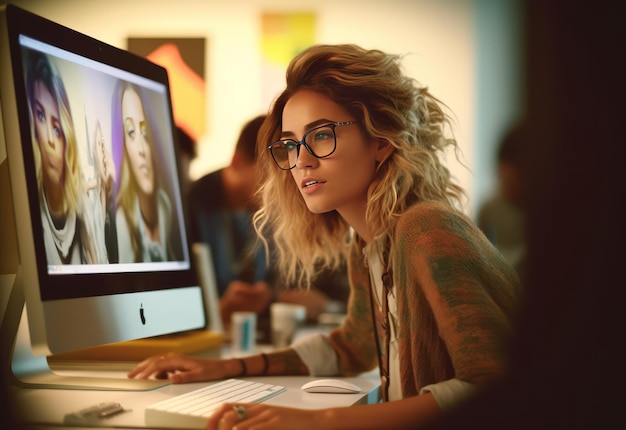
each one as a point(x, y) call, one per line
point(335, 386)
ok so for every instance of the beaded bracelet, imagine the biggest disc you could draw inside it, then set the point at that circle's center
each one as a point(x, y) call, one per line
point(266, 364)
point(244, 371)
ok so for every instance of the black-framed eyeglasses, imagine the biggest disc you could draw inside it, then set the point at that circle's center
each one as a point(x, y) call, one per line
point(319, 141)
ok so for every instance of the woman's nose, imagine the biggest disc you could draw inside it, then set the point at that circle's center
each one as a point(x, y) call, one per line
point(305, 159)
point(142, 145)
point(51, 135)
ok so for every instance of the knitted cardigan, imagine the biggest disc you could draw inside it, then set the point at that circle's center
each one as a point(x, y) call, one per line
point(456, 299)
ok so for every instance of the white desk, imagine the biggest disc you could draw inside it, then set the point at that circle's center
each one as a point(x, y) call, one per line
point(46, 408)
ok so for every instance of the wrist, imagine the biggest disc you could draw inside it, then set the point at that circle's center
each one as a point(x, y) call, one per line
point(257, 365)
point(236, 368)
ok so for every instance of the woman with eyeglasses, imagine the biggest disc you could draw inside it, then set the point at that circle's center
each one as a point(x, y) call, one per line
point(351, 158)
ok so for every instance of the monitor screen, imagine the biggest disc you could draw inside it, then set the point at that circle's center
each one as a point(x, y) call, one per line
point(94, 186)
point(104, 162)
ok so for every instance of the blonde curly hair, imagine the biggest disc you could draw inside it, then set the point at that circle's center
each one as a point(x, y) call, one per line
point(389, 106)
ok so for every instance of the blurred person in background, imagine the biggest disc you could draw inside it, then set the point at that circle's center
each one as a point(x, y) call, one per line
point(501, 217)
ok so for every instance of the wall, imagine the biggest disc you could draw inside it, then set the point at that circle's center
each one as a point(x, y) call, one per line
point(499, 73)
point(439, 39)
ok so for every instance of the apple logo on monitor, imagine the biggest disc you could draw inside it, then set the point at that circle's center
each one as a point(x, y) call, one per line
point(142, 314)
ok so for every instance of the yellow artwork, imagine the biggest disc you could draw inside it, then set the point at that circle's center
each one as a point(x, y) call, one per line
point(283, 36)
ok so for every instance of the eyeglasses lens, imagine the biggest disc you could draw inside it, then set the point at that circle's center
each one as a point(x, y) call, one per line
point(320, 141)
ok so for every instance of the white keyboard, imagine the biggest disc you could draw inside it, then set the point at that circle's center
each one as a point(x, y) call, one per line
point(192, 410)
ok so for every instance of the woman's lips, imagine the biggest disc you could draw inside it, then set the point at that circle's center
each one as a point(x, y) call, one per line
point(310, 185)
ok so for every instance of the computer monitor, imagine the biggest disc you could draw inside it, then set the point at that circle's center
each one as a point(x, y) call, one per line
point(93, 218)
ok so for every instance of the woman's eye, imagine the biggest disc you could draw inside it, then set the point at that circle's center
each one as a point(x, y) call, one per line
point(323, 135)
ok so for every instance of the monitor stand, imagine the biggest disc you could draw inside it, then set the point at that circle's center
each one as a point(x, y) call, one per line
point(25, 370)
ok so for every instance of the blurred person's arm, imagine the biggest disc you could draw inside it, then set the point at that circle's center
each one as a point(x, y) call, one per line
point(243, 296)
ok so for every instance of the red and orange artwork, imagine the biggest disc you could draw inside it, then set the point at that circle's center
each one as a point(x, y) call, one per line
point(183, 58)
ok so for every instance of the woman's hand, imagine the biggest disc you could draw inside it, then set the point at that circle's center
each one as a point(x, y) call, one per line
point(264, 417)
point(180, 368)
point(408, 413)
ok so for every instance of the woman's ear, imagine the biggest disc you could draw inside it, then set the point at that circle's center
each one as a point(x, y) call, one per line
point(383, 150)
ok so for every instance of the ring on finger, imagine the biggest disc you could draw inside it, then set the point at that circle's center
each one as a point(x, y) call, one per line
point(241, 412)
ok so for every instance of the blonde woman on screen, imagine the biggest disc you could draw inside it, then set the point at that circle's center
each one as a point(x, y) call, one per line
point(56, 160)
point(144, 210)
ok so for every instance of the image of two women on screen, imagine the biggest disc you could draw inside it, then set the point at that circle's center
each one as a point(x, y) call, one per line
point(107, 183)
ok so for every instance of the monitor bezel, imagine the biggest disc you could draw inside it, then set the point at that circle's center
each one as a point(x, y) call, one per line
point(68, 286)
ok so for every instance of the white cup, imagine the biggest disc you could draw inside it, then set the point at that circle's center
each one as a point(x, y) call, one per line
point(243, 332)
point(285, 320)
